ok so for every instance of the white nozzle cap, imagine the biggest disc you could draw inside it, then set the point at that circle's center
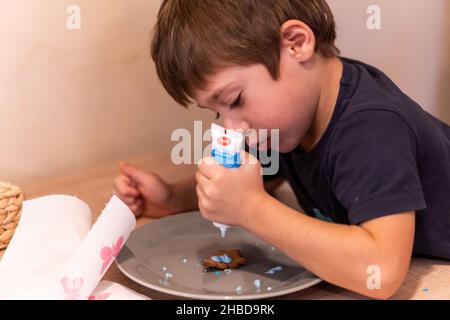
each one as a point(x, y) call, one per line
point(223, 228)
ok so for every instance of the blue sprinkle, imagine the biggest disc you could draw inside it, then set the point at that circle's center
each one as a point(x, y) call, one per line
point(239, 289)
point(258, 284)
point(217, 273)
point(425, 290)
point(275, 270)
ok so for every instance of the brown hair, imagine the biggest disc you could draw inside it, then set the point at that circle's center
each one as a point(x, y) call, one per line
point(194, 38)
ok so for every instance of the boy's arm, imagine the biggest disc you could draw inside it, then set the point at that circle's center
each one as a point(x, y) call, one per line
point(271, 185)
point(340, 254)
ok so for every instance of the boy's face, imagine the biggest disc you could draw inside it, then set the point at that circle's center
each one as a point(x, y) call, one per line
point(247, 97)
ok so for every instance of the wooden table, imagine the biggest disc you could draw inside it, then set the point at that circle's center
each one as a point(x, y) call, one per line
point(427, 279)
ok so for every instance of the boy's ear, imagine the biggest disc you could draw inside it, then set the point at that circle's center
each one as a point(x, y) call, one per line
point(298, 40)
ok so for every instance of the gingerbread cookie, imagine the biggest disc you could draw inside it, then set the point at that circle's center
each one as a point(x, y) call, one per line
point(225, 259)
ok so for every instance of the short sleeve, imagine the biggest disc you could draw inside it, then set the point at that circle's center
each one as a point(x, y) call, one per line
point(373, 166)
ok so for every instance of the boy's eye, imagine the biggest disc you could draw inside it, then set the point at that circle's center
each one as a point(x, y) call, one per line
point(237, 103)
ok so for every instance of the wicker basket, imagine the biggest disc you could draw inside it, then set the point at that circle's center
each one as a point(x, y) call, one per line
point(11, 199)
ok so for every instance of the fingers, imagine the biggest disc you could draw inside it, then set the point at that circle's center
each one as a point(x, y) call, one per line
point(209, 167)
point(137, 207)
point(124, 187)
point(203, 194)
point(202, 181)
point(201, 200)
point(129, 194)
point(135, 175)
point(200, 194)
point(127, 200)
point(123, 167)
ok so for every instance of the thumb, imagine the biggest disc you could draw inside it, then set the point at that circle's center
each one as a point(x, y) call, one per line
point(136, 175)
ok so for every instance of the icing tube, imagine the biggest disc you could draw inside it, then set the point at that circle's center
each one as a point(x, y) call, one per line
point(226, 148)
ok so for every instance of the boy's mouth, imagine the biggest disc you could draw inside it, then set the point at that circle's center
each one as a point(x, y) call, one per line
point(263, 145)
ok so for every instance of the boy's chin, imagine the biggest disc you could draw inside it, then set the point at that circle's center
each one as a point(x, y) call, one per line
point(285, 148)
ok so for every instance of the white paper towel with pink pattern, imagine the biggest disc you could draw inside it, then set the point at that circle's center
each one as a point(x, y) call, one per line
point(55, 254)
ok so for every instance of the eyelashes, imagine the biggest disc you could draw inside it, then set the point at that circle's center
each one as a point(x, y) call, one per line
point(237, 103)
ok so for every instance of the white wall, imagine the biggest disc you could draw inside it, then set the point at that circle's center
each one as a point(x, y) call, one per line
point(412, 47)
point(70, 99)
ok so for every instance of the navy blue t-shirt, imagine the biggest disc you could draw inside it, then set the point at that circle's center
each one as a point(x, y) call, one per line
point(381, 154)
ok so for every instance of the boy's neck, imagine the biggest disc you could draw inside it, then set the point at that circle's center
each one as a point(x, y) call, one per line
point(331, 72)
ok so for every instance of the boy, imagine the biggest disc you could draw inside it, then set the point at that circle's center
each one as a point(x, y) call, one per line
point(369, 167)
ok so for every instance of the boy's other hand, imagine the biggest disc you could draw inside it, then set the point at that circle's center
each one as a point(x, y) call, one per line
point(143, 192)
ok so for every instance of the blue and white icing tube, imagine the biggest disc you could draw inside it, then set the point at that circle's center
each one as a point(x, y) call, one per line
point(226, 149)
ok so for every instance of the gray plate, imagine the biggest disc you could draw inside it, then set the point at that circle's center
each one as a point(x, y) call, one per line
point(175, 246)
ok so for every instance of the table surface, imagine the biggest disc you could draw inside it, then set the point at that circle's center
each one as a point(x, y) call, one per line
point(426, 279)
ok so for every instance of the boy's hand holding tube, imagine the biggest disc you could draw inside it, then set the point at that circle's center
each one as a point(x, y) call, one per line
point(230, 196)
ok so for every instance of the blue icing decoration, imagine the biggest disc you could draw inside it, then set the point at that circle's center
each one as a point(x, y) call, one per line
point(225, 258)
point(274, 270)
point(257, 284)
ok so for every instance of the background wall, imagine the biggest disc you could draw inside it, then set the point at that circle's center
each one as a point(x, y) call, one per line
point(73, 99)
point(412, 47)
